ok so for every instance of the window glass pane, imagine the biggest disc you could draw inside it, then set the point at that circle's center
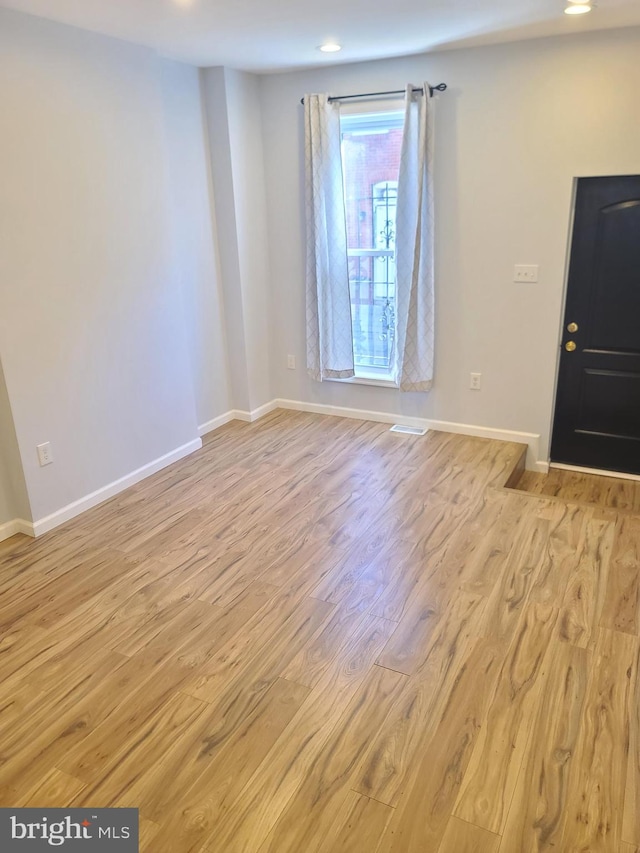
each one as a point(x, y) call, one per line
point(371, 146)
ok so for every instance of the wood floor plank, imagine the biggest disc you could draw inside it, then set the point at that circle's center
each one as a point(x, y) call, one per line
point(585, 592)
point(54, 790)
point(21, 651)
point(620, 611)
point(53, 555)
point(89, 759)
point(153, 537)
point(312, 660)
point(359, 824)
point(385, 772)
point(420, 820)
point(538, 809)
point(531, 481)
point(221, 624)
point(330, 775)
point(247, 824)
point(200, 571)
point(631, 814)
point(302, 567)
point(127, 759)
point(148, 832)
point(132, 709)
point(597, 779)
point(197, 782)
point(170, 629)
point(423, 628)
point(47, 731)
point(136, 598)
point(417, 576)
point(463, 837)
point(339, 582)
point(510, 593)
point(264, 649)
point(489, 782)
point(562, 551)
point(485, 556)
point(47, 603)
point(589, 488)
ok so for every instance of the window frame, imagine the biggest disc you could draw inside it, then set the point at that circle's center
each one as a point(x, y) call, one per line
point(363, 117)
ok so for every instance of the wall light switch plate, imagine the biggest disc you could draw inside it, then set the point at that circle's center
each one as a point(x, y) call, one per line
point(291, 362)
point(475, 381)
point(45, 454)
point(525, 272)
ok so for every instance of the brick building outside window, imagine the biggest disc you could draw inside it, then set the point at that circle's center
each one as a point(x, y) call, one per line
point(371, 146)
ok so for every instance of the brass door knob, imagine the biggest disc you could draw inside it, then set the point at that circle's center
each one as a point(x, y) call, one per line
point(570, 346)
point(572, 327)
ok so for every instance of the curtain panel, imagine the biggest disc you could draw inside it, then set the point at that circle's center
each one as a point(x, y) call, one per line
point(413, 369)
point(329, 331)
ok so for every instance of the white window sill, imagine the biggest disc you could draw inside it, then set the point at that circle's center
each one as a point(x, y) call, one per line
point(367, 380)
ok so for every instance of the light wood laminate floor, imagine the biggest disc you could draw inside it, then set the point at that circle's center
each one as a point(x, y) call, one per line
point(606, 491)
point(316, 635)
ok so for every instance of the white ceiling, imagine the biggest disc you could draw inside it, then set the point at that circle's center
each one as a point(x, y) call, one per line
point(269, 35)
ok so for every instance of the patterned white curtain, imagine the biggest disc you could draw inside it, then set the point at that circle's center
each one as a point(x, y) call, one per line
point(414, 247)
point(329, 334)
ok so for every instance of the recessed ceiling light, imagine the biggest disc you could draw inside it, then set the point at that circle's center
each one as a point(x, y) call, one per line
point(330, 47)
point(577, 8)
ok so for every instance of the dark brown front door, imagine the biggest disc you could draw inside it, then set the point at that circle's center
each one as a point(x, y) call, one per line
point(597, 415)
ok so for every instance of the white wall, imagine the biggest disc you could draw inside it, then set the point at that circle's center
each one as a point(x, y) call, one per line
point(14, 503)
point(193, 238)
point(92, 334)
point(7, 511)
point(247, 164)
point(517, 124)
point(216, 110)
point(235, 134)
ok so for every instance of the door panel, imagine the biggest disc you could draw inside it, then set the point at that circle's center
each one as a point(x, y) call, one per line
point(610, 403)
point(616, 281)
point(597, 415)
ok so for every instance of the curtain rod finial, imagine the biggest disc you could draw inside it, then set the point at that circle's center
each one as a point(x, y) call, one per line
point(441, 87)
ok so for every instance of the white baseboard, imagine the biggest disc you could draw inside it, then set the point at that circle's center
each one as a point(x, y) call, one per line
point(601, 472)
point(261, 411)
point(532, 440)
point(59, 517)
point(343, 412)
point(238, 415)
point(542, 467)
point(216, 423)
point(11, 528)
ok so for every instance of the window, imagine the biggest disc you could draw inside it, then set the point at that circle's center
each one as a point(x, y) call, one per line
point(371, 145)
point(369, 272)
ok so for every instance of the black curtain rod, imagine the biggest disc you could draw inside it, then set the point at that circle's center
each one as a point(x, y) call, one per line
point(441, 87)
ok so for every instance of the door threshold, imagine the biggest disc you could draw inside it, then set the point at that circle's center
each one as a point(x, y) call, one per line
point(619, 475)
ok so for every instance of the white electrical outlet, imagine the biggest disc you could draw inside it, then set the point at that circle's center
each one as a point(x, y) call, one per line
point(45, 454)
point(475, 381)
point(525, 272)
point(291, 362)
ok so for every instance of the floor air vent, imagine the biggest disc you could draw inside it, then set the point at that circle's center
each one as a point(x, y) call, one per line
point(409, 430)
